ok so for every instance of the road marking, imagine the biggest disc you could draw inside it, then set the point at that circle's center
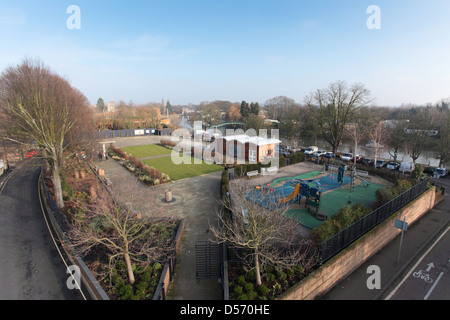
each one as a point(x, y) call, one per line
point(434, 285)
point(415, 266)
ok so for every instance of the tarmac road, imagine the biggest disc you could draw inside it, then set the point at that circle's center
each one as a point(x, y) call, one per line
point(30, 265)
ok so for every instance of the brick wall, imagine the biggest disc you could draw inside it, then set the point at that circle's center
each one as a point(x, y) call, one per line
point(343, 264)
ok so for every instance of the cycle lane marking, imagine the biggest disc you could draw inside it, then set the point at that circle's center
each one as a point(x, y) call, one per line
point(415, 266)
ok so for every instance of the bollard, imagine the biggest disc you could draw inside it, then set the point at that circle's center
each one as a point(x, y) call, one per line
point(168, 196)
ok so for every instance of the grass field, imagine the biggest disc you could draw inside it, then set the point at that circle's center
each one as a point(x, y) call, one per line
point(184, 170)
point(165, 164)
point(147, 151)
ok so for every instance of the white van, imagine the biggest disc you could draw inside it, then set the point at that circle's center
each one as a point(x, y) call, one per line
point(311, 150)
point(406, 167)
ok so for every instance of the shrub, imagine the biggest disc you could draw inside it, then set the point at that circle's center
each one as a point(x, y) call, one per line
point(417, 174)
point(238, 290)
point(168, 143)
point(241, 280)
point(263, 290)
point(270, 277)
point(402, 185)
point(342, 219)
point(384, 195)
point(248, 287)
point(67, 190)
point(224, 183)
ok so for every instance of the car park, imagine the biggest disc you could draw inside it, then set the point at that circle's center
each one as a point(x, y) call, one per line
point(393, 165)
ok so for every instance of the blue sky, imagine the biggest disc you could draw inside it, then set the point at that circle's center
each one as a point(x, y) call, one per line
point(190, 51)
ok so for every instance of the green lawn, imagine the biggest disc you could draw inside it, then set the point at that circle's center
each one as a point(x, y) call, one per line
point(185, 170)
point(147, 151)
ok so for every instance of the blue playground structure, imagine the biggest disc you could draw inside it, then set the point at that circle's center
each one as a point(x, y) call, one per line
point(292, 191)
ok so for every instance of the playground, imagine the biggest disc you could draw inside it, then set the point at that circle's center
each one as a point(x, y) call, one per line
point(315, 196)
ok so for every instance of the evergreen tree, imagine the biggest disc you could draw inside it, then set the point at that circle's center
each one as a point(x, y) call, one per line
point(101, 105)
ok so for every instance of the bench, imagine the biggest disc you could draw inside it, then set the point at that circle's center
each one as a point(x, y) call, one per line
point(272, 170)
point(252, 173)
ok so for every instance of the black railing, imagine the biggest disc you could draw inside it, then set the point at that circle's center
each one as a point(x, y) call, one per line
point(344, 238)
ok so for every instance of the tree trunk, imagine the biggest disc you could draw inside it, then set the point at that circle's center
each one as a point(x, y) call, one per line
point(129, 268)
point(56, 178)
point(258, 271)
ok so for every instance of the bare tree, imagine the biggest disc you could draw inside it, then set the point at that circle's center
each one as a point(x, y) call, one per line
point(259, 226)
point(121, 230)
point(358, 129)
point(442, 143)
point(417, 137)
point(334, 107)
point(396, 137)
point(378, 136)
point(41, 106)
point(278, 106)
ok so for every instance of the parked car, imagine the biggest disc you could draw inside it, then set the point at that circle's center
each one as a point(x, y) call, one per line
point(393, 165)
point(31, 153)
point(347, 156)
point(329, 155)
point(319, 153)
point(406, 167)
point(440, 173)
point(380, 163)
point(358, 158)
point(311, 150)
point(367, 161)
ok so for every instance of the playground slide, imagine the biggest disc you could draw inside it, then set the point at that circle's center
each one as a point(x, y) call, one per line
point(296, 192)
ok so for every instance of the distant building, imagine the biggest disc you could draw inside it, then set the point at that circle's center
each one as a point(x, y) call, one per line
point(111, 107)
point(246, 148)
point(166, 121)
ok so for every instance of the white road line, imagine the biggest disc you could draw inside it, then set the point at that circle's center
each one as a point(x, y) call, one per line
point(415, 266)
point(434, 285)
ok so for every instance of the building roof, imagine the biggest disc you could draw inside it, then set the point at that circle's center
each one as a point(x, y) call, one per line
point(243, 138)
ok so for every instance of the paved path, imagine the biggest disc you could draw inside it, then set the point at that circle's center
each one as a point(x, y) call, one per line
point(30, 266)
point(195, 201)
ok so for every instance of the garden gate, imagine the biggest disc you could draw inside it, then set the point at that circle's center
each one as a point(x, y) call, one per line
point(208, 257)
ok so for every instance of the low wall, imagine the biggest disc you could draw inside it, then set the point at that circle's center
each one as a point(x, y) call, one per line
point(344, 263)
point(169, 266)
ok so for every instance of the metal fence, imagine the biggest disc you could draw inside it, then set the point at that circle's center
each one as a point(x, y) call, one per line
point(341, 240)
point(111, 134)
